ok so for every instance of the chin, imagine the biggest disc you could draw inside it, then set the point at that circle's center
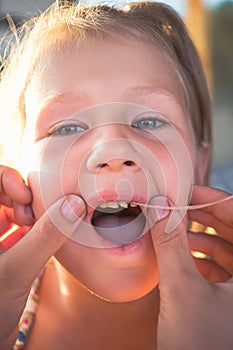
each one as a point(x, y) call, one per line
point(119, 275)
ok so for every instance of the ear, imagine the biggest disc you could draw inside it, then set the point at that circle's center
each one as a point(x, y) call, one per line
point(203, 163)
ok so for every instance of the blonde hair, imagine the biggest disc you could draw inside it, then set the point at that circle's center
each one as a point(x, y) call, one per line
point(152, 22)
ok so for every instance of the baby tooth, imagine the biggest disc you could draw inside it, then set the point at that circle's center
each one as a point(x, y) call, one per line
point(123, 204)
point(113, 205)
point(133, 205)
point(103, 205)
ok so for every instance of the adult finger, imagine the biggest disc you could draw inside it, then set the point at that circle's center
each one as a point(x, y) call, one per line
point(12, 238)
point(223, 210)
point(5, 200)
point(19, 214)
point(220, 250)
point(211, 271)
point(208, 219)
point(174, 258)
point(23, 214)
point(12, 184)
point(6, 219)
point(32, 252)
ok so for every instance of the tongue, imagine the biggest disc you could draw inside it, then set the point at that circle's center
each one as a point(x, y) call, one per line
point(120, 230)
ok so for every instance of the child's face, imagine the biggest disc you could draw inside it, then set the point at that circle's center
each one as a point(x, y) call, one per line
point(106, 121)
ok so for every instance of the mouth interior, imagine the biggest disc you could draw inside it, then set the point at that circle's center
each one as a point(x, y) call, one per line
point(119, 225)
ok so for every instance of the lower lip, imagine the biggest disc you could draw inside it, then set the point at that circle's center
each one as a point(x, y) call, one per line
point(129, 248)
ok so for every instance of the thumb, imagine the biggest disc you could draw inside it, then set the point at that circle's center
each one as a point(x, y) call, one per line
point(48, 234)
point(169, 236)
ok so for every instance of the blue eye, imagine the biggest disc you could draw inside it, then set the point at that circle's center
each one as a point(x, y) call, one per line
point(67, 129)
point(149, 122)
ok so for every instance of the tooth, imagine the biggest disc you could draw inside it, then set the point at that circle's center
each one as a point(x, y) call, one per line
point(123, 204)
point(103, 205)
point(133, 205)
point(113, 205)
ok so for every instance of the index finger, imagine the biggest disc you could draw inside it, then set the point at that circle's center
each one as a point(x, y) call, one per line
point(223, 211)
point(219, 216)
point(174, 259)
point(46, 237)
point(13, 185)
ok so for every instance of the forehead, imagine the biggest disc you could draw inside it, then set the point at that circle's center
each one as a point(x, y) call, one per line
point(113, 65)
point(102, 71)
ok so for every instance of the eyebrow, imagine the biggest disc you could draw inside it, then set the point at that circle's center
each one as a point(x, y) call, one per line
point(70, 97)
point(65, 99)
point(150, 90)
point(82, 99)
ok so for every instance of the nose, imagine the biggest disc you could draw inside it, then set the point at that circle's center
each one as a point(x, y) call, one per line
point(114, 155)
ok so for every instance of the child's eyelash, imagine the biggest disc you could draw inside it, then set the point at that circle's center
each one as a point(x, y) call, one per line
point(67, 129)
point(149, 122)
point(145, 121)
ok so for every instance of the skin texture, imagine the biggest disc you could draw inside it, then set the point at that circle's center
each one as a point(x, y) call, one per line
point(144, 314)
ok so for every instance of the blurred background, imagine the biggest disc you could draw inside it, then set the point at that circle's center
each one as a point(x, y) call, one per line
point(211, 26)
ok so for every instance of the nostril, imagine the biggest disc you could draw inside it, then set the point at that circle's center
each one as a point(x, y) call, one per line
point(129, 163)
point(116, 164)
point(101, 165)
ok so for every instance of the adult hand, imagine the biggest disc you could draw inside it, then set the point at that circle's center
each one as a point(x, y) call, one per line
point(21, 263)
point(15, 200)
point(194, 313)
point(218, 248)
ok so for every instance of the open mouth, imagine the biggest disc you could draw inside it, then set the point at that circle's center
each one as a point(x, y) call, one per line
point(119, 222)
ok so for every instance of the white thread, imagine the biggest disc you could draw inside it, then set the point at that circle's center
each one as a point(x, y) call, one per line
point(186, 207)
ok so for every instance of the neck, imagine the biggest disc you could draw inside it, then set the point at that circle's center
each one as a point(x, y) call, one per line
point(72, 302)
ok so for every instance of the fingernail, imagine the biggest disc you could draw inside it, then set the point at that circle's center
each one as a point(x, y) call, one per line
point(73, 208)
point(161, 203)
point(29, 212)
point(29, 192)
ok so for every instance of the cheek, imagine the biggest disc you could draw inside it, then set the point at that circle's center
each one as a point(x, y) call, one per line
point(175, 158)
point(46, 190)
point(51, 174)
point(70, 173)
